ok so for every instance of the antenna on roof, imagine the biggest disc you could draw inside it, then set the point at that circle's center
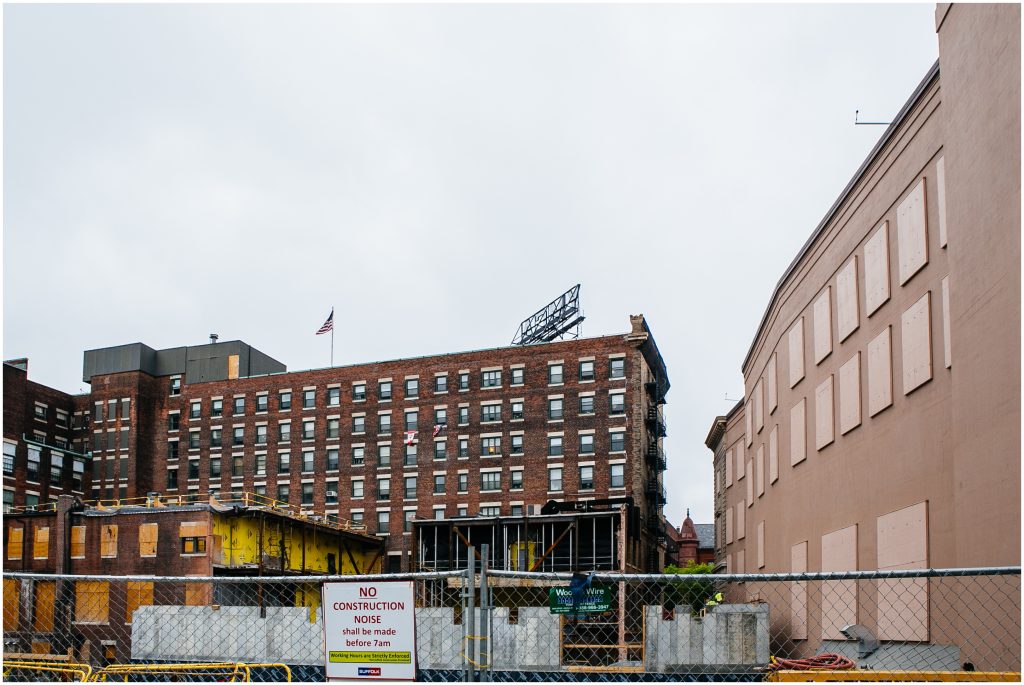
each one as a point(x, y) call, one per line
point(857, 122)
point(726, 398)
point(556, 320)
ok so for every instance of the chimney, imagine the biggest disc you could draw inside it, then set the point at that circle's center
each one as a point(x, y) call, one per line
point(213, 338)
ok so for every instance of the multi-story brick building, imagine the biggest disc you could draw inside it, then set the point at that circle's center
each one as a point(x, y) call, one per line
point(482, 433)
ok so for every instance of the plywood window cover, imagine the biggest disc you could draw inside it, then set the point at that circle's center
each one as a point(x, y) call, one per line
point(940, 182)
point(798, 592)
point(41, 543)
point(148, 534)
point(902, 537)
point(912, 232)
point(78, 542)
point(772, 383)
point(839, 553)
point(773, 455)
point(917, 344)
point(798, 432)
point(880, 372)
point(876, 269)
point(823, 325)
point(824, 415)
point(760, 470)
point(796, 352)
point(849, 395)
point(847, 300)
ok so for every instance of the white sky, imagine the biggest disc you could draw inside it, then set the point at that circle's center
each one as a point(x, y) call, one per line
point(436, 173)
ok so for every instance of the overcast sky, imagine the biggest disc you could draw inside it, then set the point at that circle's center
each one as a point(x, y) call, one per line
point(436, 173)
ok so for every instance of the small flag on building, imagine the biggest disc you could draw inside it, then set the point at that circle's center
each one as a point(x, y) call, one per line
point(328, 325)
point(438, 428)
point(410, 437)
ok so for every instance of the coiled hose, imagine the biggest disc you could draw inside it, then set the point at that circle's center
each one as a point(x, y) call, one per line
point(832, 662)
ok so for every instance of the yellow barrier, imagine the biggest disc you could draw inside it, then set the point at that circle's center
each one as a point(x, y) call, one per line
point(861, 675)
point(284, 667)
point(234, 672)
point(84, 671)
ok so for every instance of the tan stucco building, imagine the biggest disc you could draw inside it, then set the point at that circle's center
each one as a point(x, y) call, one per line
point(880, 426)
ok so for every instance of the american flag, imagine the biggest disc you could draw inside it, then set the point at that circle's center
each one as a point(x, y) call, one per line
point(328, 325)
point(437, 429)
point(410, 437)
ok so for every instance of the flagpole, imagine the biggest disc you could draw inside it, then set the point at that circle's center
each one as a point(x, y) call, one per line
point(332, 335)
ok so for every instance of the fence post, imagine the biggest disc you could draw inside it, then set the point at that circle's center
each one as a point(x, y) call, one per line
point(468, 618)
point(485, 615)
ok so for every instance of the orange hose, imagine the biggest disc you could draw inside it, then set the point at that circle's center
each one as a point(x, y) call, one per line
point(833, 662)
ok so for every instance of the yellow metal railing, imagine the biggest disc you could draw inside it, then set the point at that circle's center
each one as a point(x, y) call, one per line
point(83, 672)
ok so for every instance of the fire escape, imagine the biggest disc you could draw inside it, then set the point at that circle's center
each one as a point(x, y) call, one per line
point(654, 487)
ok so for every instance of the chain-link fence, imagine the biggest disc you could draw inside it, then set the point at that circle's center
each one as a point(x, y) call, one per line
point(528, 626)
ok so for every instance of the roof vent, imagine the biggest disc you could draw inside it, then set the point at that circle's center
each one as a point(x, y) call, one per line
point(213, 338)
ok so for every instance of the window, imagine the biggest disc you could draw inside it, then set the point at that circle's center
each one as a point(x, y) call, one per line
point(237, 465)
point(175, 386)
point(284, 461)
point(412, 420)
point(517, 376)
point(359, 392)
point(463, 482)
point(440, 417)
point(462, 510)
point(238, 436)
point(618, 475)
point(412, 387)
point(383, 488)
point(333, 397)
point(307, 493)
point(357, 517)
point(617, 403)
point(261, 464)
point(617, 442)
point(490, 511)
point(463, 381)
point(439, 513)
point(384, 390)
point(173, 421)
point(383, 522)
point(357, 489)
point(32, 501)
point(383, 455)
point(239, 407)
point(554, 374)
point(284, 401)
point(214, 467)
point(261, 435)
point(331, 495)
point(172, 479)
point(586, 478)
point(108, 542)
point(283, 494)
point(56, 466)
point(217, 408)
point(124, 470)
point(517, 444)
point(617, 368)
point(215, 437)
point(358, 456)
point(33, 463)
point(490, 412)
point(439, 484)
point(463, 448)
point(332, 459)
point(9, 452)
point(260, 490)
point(410, 487)
point(124, 439)
point(440, 450)
point(333, 428)
point(587, 443)
point(516, 510)
point(358, 424)
point(587, 404)
point(490, 379)
point(308, 429)
point(193, 469)
point(490, 446)
point(554, 445)
point(92, 601)
point(440, 383)
point(554, 409)
point(554, 480)
point(307, 462)
point(490, 480)
point(410, 455)
point(384, 423)
point(517, 411)
point(262, 401)
point(77, 473)
point(410, 515)
point(516, 482)
point(463, 416)
point(195, 409)
point(587, 371)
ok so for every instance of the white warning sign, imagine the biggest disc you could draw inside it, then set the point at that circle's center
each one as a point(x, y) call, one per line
point(370, 630)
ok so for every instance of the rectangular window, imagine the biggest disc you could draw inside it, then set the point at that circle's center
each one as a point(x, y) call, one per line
point(586, 371)
point(463, 416)
point(308, 399)
point(439, 483)
point(462, 510)
point(195, 409)
point(618, 475)
point(148, 533)
point(214, 467)
point(56, 467)
point(331, 495)
point(490, 480)
point(97, 412)
point(410, 455)
point(617, 403)
point(308, 429)
point(383, 488)
point(554, 409)
point(384, 390)
point(261, 435)
point(490, 511)
point(193, 469)
point(332, 459)
point(517, 376)
point(215, 437)
point(357, 489)
point(284, 461)
point(217, 408)
point(412, 421)
point(554, 374)
point(173, 421)
point(383, 522)
point(284, 432)
point(175, 386)
point(108, 542)
point(261, 403)
point(516, 510)
point(99, 442)
point(383, 455)
point(358, 456)
point(193, 537)
point(62, 419)
point(517, 444)
point(440, 417)
point(410, 515)
point(307, 493)
point(463, 381)
point(410, 487)
point(516, 480)
point(490, 446)
point(239, 407)
point(123, 439)
point(617, 368)
point(237, 464)
point(440, 450)
point(92, 600)
point(41, 543)
point(463, 482)
point(358, 424)
point(384, 423)
point(357, 517)
point(124, 470)
point(283, 494)
point(412, 387)
point(33, 463)
point(587, 404)
point(284, 401)
point(554, 445)
point(440, 383)
point(490, 379)
point(9, 452)
point(617, 442)
point(238, 436)
point(586, 478)
point(587, 444)
point(333, 397)
point(261, 464)
point(463, 448)
point(359, 392)
point(137, 594)
point(517, 411)
point(333, 428)
point(554, 480)
point(172, 449)
point(172, 479)
point(307, 462)
point(490, 412)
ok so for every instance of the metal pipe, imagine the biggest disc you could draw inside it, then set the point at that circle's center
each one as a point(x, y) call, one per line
point(742, 577)
point(485, 615)
point(470, 618)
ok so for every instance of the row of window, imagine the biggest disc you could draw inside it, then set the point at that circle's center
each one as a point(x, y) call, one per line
point(34, 461)
point(111, 413)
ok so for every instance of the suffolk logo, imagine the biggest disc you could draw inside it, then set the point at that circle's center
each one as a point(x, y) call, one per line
point(369, 671)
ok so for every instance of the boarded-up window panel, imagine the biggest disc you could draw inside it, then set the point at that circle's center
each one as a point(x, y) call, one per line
point(773, 455)
point(917, 344)
point(838, 597)
point(78, 542)
point(758, 406)
point(947, 348)
point(912, 233)
point(880, 372)
point(741, 520)
point(798, 592)
point(15, 541)
point(824, 419)
point(193, 529)
point(232, 366)
point(728, 563)
point(46, 593)
point(138, 594)
point(798, 432)
point(108, 542)
point(729, 532)
point(876, 269)
point(849, 395)
point(771, 382)
point(41, 543)
point(847, 300)
point(903, 604)
point(728, 468)
point(12, 603)
point(92, 601)
point(148, 533)
point(748, 418)
point(198, 594)
point(823, 325)
point(741, 562)
point(750, 482)
point(739, 463)
point(796, 352)
point(760, 544)
point(760, 469)
point(940, 184)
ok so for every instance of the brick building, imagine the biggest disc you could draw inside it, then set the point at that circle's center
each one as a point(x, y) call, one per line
point(483, 433)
